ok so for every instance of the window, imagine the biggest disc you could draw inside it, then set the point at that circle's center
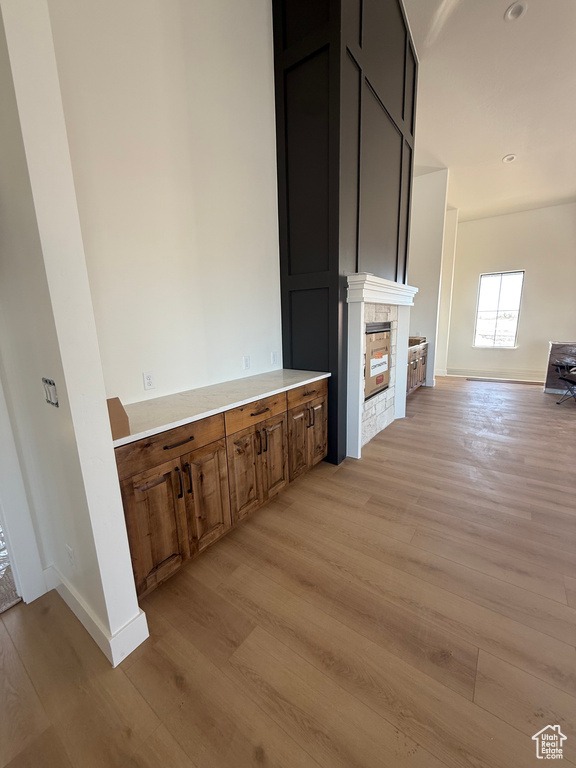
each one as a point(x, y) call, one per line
point(498, 309)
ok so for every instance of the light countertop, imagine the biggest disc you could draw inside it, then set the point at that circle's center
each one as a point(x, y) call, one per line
point(150, 417)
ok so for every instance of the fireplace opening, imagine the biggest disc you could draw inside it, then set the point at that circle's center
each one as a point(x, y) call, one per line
point(377, 363)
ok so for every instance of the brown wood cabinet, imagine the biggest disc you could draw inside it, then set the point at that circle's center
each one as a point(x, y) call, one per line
point(186, 487)
point(244, 472)
point(318, 430)
point(257, 464)
point(176, 500)
point(171, 444)
point(274, 456)
point(206, 495)
point(156, 523)
point(417, 361)
point(298, 420)
point(307, 435)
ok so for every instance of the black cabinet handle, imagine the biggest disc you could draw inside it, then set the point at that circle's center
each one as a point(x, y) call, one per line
point(259, 413)
point(313, 416)
point(311, 392)
point(188, 468)
point(181, 494)
point(260, 439)
point(266, 436)
point(309, 418)
point(177, 445)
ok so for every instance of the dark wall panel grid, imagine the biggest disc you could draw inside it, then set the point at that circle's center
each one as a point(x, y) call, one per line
point(350, 163)
point(384, 48)
point(306, 107)
point(380, 183)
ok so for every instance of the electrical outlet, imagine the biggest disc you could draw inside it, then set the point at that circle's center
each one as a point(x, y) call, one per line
point(71, 556)
point(148, 377)
point(245, 362)
point(274, 358)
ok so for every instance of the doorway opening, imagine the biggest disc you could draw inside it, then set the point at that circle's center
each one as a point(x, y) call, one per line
point(8, 594)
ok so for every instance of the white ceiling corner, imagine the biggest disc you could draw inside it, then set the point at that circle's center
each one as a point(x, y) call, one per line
point(488, 88)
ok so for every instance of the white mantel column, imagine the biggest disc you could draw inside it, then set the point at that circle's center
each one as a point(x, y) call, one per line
point(401, 368)
point(364, 288)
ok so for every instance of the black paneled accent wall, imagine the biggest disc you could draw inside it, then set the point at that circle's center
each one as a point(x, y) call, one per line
point(345, 75)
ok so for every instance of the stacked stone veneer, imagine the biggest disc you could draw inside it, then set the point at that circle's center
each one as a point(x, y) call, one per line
point(379, 410)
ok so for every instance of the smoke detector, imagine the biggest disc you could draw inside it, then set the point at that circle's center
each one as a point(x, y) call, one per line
point(516, 11)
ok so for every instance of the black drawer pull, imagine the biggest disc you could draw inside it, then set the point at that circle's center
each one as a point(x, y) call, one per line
point(259, 413)
point(188, 469)
point(311, 392)
point(177, 445)
point(266, 436)
point(181, 494)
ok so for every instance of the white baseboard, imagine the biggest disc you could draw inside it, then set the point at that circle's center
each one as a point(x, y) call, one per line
point(443, 372)
point(551, 391)
point(115, 647)
point(516, 375)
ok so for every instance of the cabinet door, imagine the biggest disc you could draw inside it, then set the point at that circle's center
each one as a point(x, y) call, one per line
point(317, 431)
point(423, 362)
point(298, 420)
point(274, 454)
point(245, 472)
point(206, 494)
point(156, 523)
point(412, 370)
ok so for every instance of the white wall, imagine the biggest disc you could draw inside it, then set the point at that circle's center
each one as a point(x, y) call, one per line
point(29, 350)
point(446, 287)
point(425, 264)
point(47, 329)
point(542, 242)
point(169, 109)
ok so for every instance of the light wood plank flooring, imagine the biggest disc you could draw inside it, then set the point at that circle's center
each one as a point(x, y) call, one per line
point(415, 609)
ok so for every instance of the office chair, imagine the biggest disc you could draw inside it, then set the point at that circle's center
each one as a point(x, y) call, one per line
point(567, 375)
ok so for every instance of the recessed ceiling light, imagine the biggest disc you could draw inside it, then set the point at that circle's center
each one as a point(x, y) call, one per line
point(516, 11)
point(508, 158)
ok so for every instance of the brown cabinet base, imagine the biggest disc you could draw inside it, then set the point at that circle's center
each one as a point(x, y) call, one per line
point(206, 495)
point(178, 508)
point(417, 360)
point(257, 465)
point(308, 435)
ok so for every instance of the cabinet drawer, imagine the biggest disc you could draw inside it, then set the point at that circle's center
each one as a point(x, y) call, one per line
point(255, 412)
point(307, 392)
point(414, 353)
point(151, 451)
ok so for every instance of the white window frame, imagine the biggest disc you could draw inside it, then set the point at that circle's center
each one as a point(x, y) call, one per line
point(492, 274)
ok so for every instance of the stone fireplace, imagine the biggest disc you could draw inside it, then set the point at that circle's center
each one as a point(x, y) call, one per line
point(373, 299)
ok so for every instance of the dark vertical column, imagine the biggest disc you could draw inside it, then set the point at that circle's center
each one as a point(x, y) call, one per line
point(345, 75)
point(307, 75)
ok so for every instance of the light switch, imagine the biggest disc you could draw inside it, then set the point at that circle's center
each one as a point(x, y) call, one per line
point(50, 392)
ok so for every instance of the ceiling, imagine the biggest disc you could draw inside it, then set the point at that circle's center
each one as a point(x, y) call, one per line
point(488, 88)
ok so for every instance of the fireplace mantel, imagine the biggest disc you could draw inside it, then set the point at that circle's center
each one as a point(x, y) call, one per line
point(365, 288)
